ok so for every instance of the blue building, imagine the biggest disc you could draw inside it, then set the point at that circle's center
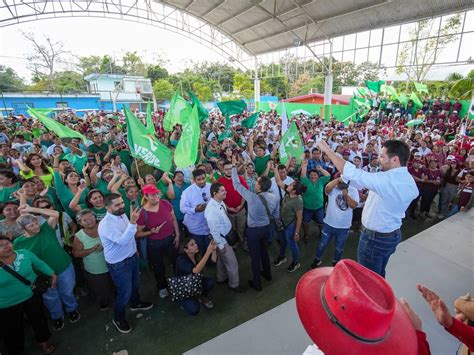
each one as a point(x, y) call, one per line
point(18, 103)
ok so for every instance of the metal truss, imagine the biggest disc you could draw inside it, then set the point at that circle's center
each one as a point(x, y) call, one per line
point(149, 12)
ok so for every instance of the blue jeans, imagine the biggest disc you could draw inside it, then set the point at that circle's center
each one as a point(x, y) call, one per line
point(142, 248)
point(257, 241)
point(157, 249)
point(192, 306)
point(126, 277)
point(201, 240)
point(286, 238)
point(375, 249)
point(54, 298)
point(327, 234)
point(315, 215)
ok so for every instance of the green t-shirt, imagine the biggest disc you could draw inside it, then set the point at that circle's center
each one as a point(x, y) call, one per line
point(45, 246)
point(163, 189)
point(13, 290)
point(101, 185)
point(65, 195)
point(100, 213)
point(94, 149)
point(94, 263)
point(289, 207)
point(313, 198)
point(77, 161)
point(261, 164)
point(6, 193)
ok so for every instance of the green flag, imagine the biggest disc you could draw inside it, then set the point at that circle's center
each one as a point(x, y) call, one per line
point(229, 108)
point(416, 100)
point(390, 90)
point(150, 126)
point(61, 130)
point(421, 87)
point(186, 151)
point(202, 112)
point(363, 91)
point(178, 112)
point(145, 146)
point(374, 86)
point(403, 99)
point(250, 121)
point(362, 102)
point(291, 144)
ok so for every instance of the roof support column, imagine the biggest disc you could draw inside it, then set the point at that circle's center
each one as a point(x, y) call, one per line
point(256, 86)
point(328, 87)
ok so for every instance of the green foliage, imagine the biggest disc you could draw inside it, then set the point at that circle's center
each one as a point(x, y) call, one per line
point(243, 85)
point(62, 82)
point(163, 89)
point(9, 80)
point(203, 92)
point(132, 64)
point(463, 88)
point(156, 72)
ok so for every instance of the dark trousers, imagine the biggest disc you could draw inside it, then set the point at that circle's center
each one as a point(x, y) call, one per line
point(101, 285)
point(126, 277)
point(414, 205)
point(427, 197)
point(157, 250)
point(12, 327)
point(192, 306)
point(257, 241)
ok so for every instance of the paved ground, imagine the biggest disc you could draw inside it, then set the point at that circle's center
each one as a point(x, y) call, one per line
point(166, 329)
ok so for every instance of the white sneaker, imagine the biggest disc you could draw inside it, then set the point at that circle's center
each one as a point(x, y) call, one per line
point(163, 293)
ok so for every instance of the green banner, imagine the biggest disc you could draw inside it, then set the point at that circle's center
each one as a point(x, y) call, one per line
point(186, 151)
point(202, 112)
point(250, 121)
point(291, 144)
point(178, 112)
point(145, 146)
point(61, 130)
point(150, 126)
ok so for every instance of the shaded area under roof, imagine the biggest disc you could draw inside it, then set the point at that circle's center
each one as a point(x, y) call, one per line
point(262, 26)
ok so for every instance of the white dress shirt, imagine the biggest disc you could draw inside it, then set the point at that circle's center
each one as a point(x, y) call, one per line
point(390, 194)
point(218, 222)
point(190, 198)
point(274, 188)
point(118, 238)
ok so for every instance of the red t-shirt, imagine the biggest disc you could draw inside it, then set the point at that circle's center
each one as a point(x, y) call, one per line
point(233, 198)
point(154, 219)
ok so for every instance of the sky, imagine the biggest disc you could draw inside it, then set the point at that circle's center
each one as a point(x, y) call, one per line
point(92, 36)
point(101, 36)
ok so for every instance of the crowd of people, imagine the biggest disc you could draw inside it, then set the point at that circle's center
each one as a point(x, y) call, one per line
point(88, 216)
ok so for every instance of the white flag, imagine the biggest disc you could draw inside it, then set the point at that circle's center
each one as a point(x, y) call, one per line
point(284, 119)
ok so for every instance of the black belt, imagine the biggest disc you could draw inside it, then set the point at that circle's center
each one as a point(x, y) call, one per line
point(370, 231)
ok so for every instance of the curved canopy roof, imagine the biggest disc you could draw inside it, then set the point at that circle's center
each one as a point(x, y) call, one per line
point(262, 26)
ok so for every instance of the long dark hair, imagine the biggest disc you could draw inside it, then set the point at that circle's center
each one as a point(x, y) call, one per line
point(184, 244)
point(89, 195)
point(43, 166)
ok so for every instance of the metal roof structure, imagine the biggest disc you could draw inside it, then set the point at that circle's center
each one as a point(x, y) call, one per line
point(262, 26)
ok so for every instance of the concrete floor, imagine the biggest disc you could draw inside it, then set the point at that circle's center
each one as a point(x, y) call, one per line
point(166, 329)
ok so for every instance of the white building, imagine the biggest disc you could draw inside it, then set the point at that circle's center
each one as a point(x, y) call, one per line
point(119, 89)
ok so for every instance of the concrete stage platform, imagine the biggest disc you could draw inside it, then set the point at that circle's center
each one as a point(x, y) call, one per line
point(441, 257)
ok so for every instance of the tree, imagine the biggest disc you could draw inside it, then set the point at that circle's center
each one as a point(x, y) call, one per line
point(243, 85)
point(9, 80)
point(156, 72)
point(203, 92)
point(298, 84)
point(417, 56)
point(464, 88)
point(163, 89)
point(44, 57)
point(69, 82)
point(132, 64)
point(100, 65)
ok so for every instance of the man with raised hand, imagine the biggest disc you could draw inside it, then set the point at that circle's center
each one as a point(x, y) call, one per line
point(390, 193)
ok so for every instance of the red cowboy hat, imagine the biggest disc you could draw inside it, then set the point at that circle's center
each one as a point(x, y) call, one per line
point(349, 309)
